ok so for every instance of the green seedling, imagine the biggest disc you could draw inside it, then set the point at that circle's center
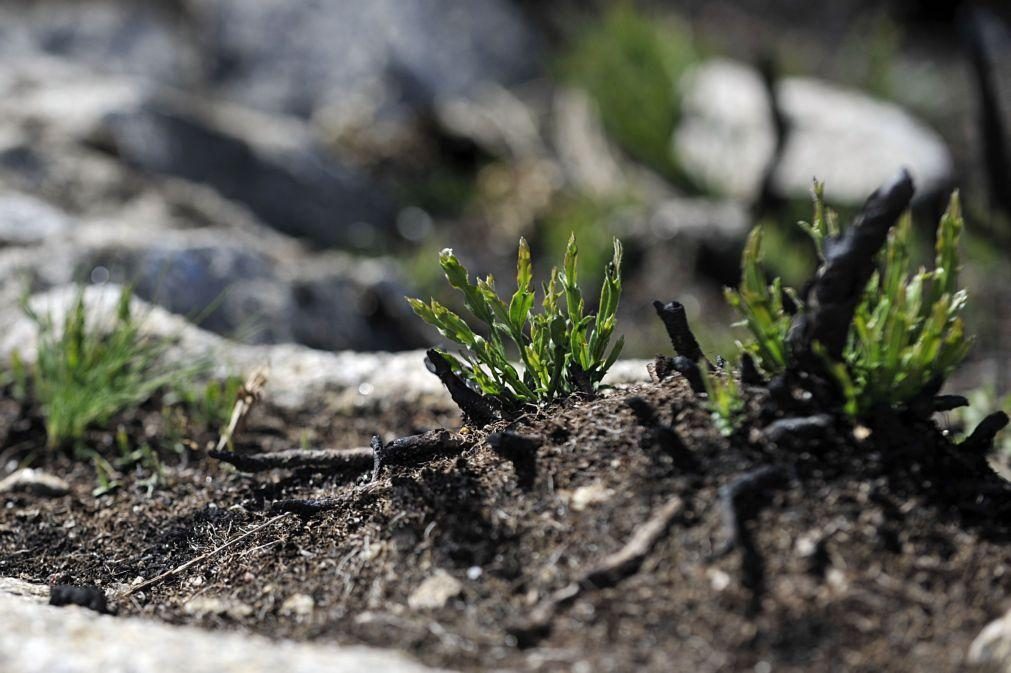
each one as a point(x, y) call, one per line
point(562, 348)
point(723, 399)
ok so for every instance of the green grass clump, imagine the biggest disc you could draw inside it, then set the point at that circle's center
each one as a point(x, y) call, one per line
point(907, 330)
point(630, 65)
point(85, 375)
point(562, 348)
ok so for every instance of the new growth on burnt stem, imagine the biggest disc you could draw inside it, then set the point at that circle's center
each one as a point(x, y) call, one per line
point(563, 349)
point(867, 334)
point(882, 336)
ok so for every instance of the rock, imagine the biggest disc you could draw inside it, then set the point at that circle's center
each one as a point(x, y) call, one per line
point(587, 496)
point(695, 221)
point(148, 38)
point(204, 606)
point(495, 119)
point(991, 649)
point(299, 376)
point(34, 482)
point(252, 288)
point(25, 220)
point(298, 605)
point(435, 591)
point(272, 166)
point(42, 639)
point(850, 141)
point(332, 54)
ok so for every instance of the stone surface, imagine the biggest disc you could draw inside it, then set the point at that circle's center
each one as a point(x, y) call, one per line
point(298, 377)
point(25, 220)
point(991, 650)
point(388, 52)
point(272, 166)
point(850, 141)
point(37, 638)
point(435, 591)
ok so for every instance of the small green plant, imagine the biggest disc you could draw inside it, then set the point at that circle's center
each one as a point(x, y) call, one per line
point(907, 330)
point(630, 64)
point(86, 374)
point(724, 400)
point(562, 349)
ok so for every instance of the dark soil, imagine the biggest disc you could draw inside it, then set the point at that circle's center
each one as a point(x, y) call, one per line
point(839, 548)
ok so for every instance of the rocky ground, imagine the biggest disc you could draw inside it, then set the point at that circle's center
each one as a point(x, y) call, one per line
point(273, 200)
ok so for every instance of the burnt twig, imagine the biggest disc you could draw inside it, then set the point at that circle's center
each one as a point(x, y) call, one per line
point(479, 409)
point(676, 322)
point(690, 371)
point(802, 428)
point(413, 449)
point(943, 403)
point(767, 198)
point(749, 372)
point(326, 459)
point(981, 439)
point(839, 283)
point(976, 27)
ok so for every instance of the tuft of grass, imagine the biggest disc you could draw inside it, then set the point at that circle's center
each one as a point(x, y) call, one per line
point(907, 331)
point(630, 65)
point(562, 348)
point(85, 374)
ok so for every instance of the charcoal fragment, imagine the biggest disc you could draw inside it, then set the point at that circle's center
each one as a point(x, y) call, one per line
point(981, 440)
point(479, 409)
point(676, 322)
point(688, 369)
point(90, 597)
point(841, 279)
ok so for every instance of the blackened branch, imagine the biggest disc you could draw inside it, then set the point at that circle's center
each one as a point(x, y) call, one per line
point(676, 322)
point(849, 263)
point(324, 459)
point(981, 439)
point(414, 449)
point(478, 408)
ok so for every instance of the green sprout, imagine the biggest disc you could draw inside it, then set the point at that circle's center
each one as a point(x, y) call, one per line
point(907, 331)
point(723, 399)
point(562, 348)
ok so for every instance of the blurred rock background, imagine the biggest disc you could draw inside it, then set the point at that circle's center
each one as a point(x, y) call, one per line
point(282, 171)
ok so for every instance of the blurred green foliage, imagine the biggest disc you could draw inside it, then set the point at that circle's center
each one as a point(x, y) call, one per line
point(630, 64)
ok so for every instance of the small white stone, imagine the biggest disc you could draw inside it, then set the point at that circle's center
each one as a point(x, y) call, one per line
point(300, 605)
point(435, 591)
point(593, 494)
point(202, 606)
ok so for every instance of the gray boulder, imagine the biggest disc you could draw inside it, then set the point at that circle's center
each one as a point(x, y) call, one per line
point(850, 141)
point(272, 166)
point(326, 54)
